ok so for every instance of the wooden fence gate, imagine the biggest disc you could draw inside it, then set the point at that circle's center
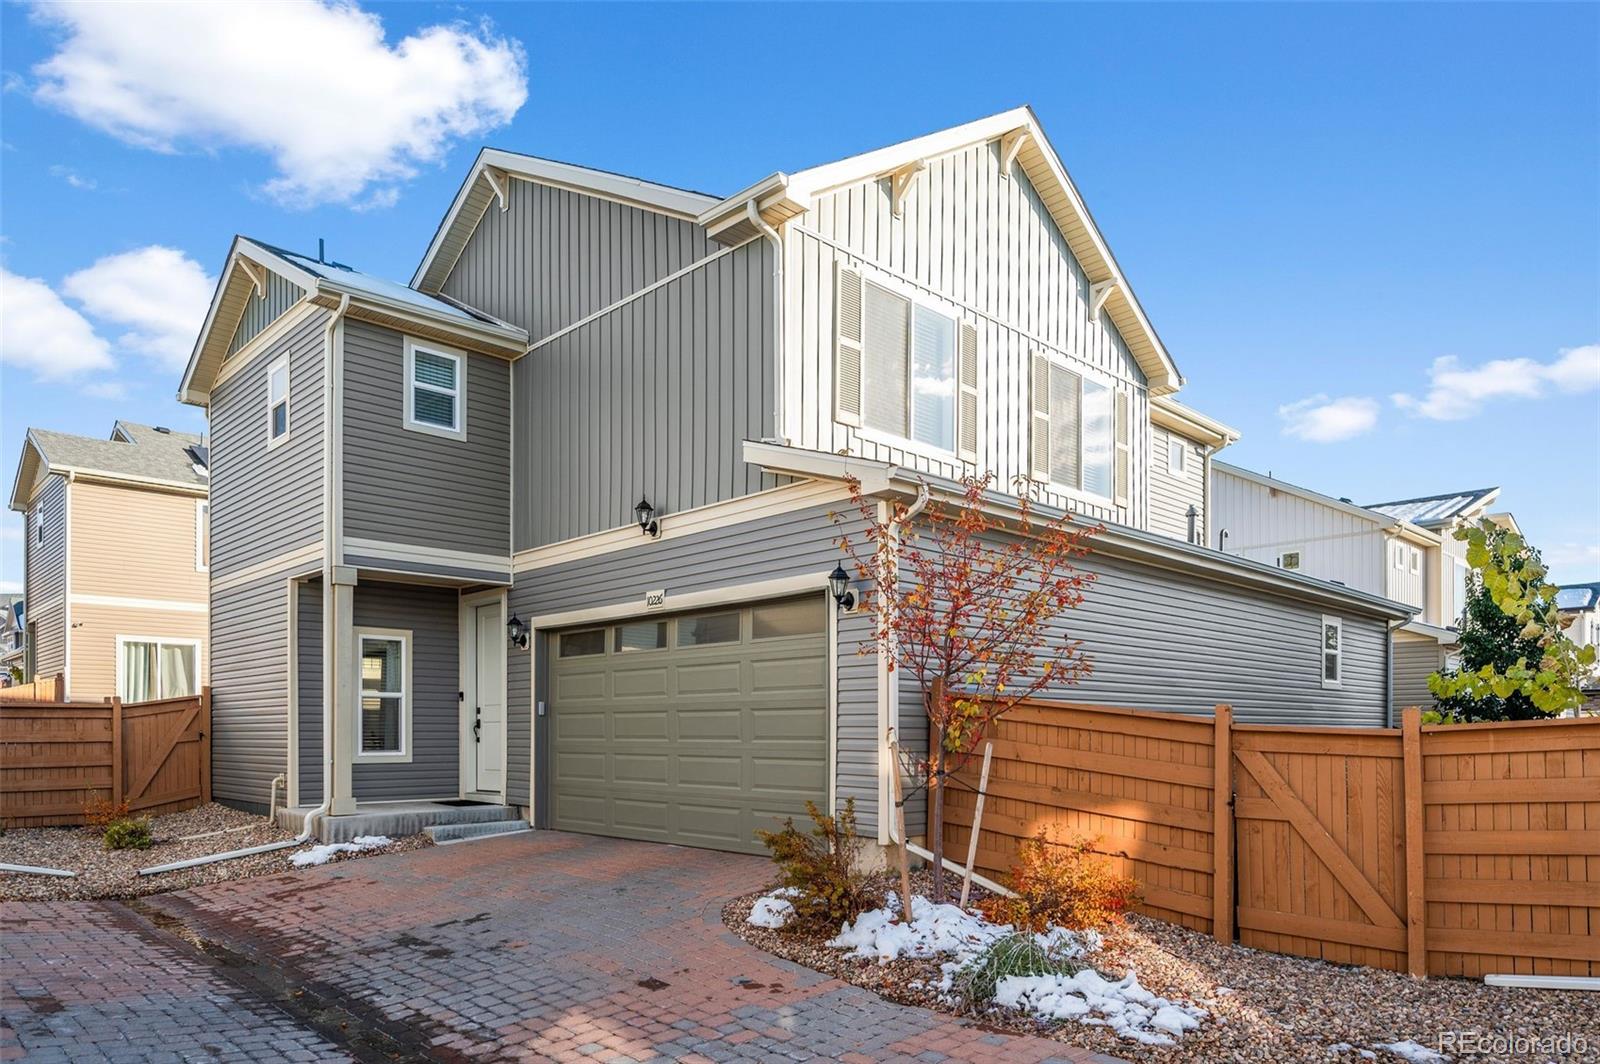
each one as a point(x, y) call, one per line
point(56, 758)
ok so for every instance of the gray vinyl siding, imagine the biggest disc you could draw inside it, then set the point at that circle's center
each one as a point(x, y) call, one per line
point(416, 488)
point(265, 502)
point(654, 398)
point(981, 248)
point(250, 694)
point(787, 545)
point(1171, 494)
point(308, 701)
point(45, 574)
point(1414, 661)
point(430, 615)
point(259, 311)
point(557, 256)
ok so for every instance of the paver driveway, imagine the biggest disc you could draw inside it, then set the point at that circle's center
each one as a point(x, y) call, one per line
point(546, 946)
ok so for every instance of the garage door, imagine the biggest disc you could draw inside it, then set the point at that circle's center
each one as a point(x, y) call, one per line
point(696, 728)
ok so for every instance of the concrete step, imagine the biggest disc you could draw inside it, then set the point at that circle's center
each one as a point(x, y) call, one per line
point(440, 833)
point(398, 818)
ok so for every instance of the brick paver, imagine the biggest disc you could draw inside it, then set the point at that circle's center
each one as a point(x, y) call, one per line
point(546, 946)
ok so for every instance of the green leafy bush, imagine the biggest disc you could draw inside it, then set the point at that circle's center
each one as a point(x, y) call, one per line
point(129, 834)
point(822, 866)
point(974, 982)
point(1065, 885)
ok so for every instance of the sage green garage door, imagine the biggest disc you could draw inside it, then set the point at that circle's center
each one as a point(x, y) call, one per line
point(694, 729)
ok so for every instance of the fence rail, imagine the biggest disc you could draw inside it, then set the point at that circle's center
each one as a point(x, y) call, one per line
point(57, 758)
point(1446, 850)
point(45, 689)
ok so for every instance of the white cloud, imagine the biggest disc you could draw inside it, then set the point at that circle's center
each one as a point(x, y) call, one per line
point(1456, 391)
point(1320, 419)
point(40, 333)
point(106, 390)
point(159, 295)
point(344, 115)
point(73, 178)
point(1578, 556)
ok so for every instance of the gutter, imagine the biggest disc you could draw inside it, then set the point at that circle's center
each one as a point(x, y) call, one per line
point(754, 214)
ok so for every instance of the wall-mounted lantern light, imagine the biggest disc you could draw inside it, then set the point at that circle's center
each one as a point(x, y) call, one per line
point(517, 632)
point(839, 586)
point(645, 514)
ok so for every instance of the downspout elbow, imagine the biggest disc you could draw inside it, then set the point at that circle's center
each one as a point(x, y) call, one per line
point(753, 213)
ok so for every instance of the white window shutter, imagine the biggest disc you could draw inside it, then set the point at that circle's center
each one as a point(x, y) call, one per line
point(1122, 434)
point(847, 346)
point(967, 381)
point(1039, 436)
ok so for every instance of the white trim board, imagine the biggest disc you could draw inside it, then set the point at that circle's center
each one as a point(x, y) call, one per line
point(123, 602)
point(299, 557)
point(410, 552)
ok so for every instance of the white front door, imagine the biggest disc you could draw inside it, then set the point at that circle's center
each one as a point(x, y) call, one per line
point(486, 758)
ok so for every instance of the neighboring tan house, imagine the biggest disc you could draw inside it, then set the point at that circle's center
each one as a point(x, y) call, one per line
point(1401, 550)
point(115, 561)
point(621, 415)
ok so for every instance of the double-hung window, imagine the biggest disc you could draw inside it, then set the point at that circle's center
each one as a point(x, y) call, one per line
point(904, 368)
point(436, 390)
point(150, 668)
point(278, 402)
point(1332, 652)
point(1080, 437)
point(385, 677)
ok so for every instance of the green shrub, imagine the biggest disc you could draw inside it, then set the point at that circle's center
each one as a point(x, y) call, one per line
point(822, 866)
point(973, 984)
point(129, 834)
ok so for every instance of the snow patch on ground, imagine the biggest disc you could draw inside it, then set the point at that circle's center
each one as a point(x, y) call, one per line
point(773, 910)
point(324, 853)
point(1417, 1054)
point(1086, 997)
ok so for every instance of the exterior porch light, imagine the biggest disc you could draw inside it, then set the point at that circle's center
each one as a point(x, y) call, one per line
point(645, 514)
point(517, 632)
point(839, 587)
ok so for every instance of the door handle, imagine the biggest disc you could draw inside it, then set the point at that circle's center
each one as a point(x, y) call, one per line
point(477, 723)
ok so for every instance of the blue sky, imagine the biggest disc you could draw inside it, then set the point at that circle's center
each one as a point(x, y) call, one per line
point(1316, 203)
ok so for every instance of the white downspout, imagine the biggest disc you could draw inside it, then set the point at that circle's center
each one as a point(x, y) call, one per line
point(327, 703)
point(779, 369)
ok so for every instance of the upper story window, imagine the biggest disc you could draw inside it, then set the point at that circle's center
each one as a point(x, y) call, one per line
point(38, 524)
point(1415, 560)
point(1081, 432)
point(278, 402)
point(904, 368)
point(1177, 456)
point(436, 390)
point(1332, 652)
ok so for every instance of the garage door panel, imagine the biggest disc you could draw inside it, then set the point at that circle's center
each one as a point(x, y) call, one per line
point(698, 745)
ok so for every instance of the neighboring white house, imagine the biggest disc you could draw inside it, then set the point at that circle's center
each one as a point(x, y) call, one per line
point(1581, 602)
point(1403, 550)
point(1183, 443)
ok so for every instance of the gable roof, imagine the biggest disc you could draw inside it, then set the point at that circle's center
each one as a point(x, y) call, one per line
point(141, 454)
point(781, 197)
point(326, 284)
point(1578, 596)
point(1432, 510)
point(1386, 522)
point(1189, 423)
point(486, 183)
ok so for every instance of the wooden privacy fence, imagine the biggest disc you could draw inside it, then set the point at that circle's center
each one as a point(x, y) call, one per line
point(1445, 850)
point(43, 689)
point(55, 758)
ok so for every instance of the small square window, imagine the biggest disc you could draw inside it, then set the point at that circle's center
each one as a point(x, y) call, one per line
point(1416, 561)
point(641, 635)
point(435, 390)
point(707, 628)
point(1177, 457)
point(1289, 560)
point(581, 644)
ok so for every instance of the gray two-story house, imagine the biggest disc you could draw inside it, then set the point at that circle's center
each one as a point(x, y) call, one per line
point(621, 415)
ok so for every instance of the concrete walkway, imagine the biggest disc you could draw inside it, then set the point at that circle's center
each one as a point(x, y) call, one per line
point(543, 946)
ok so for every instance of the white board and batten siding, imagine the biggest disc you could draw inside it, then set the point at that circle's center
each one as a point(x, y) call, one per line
point(983, 249)
point(1264, 522)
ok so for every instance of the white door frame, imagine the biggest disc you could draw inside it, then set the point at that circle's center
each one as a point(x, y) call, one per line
point(467, 628)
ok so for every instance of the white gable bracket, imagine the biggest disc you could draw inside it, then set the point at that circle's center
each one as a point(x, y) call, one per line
point(497, 181)
point(1010, 145)
point(900, 183)
point(1099, 292)
point(257, 274)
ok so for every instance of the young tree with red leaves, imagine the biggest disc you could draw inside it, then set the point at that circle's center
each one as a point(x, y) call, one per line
point(963, 604)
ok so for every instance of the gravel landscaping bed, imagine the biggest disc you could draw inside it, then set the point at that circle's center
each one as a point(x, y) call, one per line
point(1263, 1006)
point(103, 873)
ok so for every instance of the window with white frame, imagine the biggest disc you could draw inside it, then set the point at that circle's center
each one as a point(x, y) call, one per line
point(1332, 652)
point(151, 667)
point(1460, 586)
point(1177, 456)
point(909, 386)
point(1289, 559)
point(1079, 436)
point(1415, 561)
point(38, 524)
point(202, 536)
point(385, 677)
point(278, 402)
point(436, 390)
